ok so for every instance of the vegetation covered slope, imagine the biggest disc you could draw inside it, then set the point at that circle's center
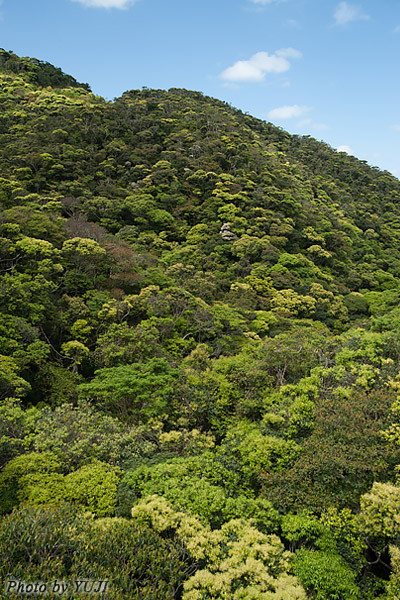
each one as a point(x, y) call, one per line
point(199, 349)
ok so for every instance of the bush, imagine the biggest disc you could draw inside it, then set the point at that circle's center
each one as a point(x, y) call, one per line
point(47, 543)
point(325, 575)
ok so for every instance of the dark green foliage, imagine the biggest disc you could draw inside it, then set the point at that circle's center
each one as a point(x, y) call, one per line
point(47, 543)
point(37, 71)
point(138, 563)
point(15, 425)
point(38, 542)
point(341, 458)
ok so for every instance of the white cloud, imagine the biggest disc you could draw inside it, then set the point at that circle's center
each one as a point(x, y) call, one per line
point(396, 29)
point(396, 127)
point(289, 112)
point(346, 13)
point(345, 148)
point(288, 53)
point(106, 3)
point(258, 65)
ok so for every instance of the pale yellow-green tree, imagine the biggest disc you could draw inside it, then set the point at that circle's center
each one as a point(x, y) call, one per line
point(238, 562)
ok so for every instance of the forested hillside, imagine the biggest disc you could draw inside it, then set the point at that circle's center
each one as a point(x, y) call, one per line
point(199, 356)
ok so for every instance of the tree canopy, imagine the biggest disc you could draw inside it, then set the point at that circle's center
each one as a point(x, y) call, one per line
point(199, 349)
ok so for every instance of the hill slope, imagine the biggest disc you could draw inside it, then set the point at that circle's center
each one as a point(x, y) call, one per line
point(217, 303)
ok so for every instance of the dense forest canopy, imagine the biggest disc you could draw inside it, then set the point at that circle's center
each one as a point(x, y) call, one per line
point(199, 358)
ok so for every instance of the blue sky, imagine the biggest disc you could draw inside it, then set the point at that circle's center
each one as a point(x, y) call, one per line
point(325, 68)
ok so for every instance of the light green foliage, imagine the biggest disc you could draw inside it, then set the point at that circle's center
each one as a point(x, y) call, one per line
point(116, 346)
point(144, 211)
point(189, 441)
point(194, 493)
point(85, 262)
point(325, 575)
point(35, 478)
point(22, 473)
point(263, 322)
point(256, 451)
point(36, 353)
point(393, 589)
point(254, 568)
point(195, 484)
point(303, 529)
point(68, 437)
point(360, 344)
point(382, 304)
point(75, 351)
point(304, 268)
point(240, 561)
point(227, 319)
point(81, 330)
point(197, 234)
point(345, 526)
point(32, 247)
point(392, 432)
point(290, 304)
point(319, 254)
point(289, 356)
point(318, 563)
point(298, 399)
point(137, 391)
point(380, 511)
point(28, 297)
point(199, 283)
point(81, 247)
point(319, 566)
point(250, 247)
point(93, 486)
